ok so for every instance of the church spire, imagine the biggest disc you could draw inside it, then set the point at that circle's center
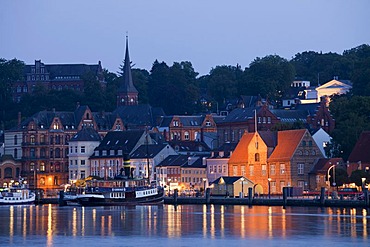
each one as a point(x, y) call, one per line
point(127, 93)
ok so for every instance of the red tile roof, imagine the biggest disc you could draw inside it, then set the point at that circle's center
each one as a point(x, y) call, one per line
point(287, 143)
point(240, 153)
point(361, 151)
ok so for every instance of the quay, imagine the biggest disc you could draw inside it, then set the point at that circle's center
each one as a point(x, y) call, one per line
point(321, 201)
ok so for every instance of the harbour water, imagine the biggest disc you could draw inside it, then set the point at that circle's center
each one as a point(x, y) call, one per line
point(184, 225)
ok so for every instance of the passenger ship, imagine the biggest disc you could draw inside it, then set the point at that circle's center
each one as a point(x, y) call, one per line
point(119, 192)
point(15, 195)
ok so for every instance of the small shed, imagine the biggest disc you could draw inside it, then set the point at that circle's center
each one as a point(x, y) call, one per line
point(231, 186)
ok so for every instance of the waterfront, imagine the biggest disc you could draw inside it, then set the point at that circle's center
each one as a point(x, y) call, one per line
point(184, 225)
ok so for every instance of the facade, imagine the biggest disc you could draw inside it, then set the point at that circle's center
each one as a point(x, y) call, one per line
point(81, 147)
point(318, 176)
point(291, 161)
point(249, 159)
point(194, 173)
point(146, 157)
point(232, 186)
point(55, 77)
point(169, 172)
point(10, 170)
point(186, 128)
point(333, 87)
point(108, 158)
point(217, 163)
point(43, 139)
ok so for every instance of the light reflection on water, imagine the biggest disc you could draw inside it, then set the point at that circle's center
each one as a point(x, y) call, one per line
point(186, 225)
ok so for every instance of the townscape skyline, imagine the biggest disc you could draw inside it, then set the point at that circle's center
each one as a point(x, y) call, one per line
point(207, 33)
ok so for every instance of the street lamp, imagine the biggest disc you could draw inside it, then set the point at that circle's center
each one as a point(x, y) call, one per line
point(328, 176)
point(242, 179)
point(269, 191)
point(204, 188)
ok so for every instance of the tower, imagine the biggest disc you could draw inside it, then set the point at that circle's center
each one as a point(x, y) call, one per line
point(127, 93)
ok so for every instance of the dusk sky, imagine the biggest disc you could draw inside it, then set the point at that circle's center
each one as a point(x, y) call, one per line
point(204, 32)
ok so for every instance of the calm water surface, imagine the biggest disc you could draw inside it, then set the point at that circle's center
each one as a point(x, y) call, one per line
point(185, 225)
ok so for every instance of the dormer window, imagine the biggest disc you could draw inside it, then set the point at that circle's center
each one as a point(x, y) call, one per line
point(175, 123)
point(208, 123)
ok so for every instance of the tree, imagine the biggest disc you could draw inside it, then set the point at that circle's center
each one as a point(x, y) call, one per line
point(93, 93)
point(352, 117)
point(357, 175)
point(223, 82)
point(269, 76)
point(10, 71)
point(140, 78)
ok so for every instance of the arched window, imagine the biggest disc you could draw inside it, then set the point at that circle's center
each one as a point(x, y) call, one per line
point(257, 157)
point(8, 172)
point(186, 135)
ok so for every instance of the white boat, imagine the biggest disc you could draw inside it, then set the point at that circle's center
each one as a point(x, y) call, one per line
point(17, 195)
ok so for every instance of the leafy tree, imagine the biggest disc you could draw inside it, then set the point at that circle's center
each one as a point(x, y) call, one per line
point(158, 83)
point(223, 82)
point(93, 93)
point(10, 71)
point(352, 117)
point(112, 85)
point(357, 175)
point(341, 177)
point(269, 76)
point(140, 78)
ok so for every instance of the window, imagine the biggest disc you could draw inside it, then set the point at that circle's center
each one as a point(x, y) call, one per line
point(272, 169)
point(57, 153)
point(235, 170)
point(264, 119)
point(269, 120)
point(263, 170)
point(32, 153)
point(251, 170)
point(15, 153)
point(282, 169)
point(42, 166)
point(83, 174)
point(42, 139)
point(208, 123)
point(273, 187)
point(32, 139)
point(303, 143)
point(301, 184)
point(300, 169)
point(83, 149)
point(282, 185)
point(175, 123)
point(15, 140)
point(32, 167)
point(257, 157)
point(243, 170)
point(186, 135)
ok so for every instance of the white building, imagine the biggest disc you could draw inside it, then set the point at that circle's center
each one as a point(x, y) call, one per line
point(81, 147)
point(322, 139)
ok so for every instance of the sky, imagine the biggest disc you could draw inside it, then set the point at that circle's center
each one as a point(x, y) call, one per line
point(207, 33)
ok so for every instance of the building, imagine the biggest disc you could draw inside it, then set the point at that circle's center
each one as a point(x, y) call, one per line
point(359, 159)
point(108, 158)
point(320, 176)
point(322, 139)
point(146, 157)
point(10, 170)
point(127, 93)
point(55, 77)
point(233, 186)
point(217, 163)
point(41, 141)
point(81, 147)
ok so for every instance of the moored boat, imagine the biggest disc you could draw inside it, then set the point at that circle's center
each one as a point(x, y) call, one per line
point(15, 195)
point(120, 192)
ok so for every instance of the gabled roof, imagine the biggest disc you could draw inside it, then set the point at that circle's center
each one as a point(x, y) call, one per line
point(324, 164)
point(288, 141)
point(174, 160)
point(149, 151)
point(240, 114)
point(194, 162)
point(86, 134)
point(227, 180)
point(361, 151)
point(335, 84)
point(290, 116)
point(121, 140)
point(240, 153)
point(269, 137)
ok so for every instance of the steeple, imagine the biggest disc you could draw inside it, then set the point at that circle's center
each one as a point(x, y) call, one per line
point(127, 93)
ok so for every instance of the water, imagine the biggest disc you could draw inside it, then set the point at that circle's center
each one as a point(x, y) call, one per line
point(185, 225)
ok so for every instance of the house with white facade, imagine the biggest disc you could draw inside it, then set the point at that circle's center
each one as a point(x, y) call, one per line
point(81, 147)
point(146, 157)
point(322, 139)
